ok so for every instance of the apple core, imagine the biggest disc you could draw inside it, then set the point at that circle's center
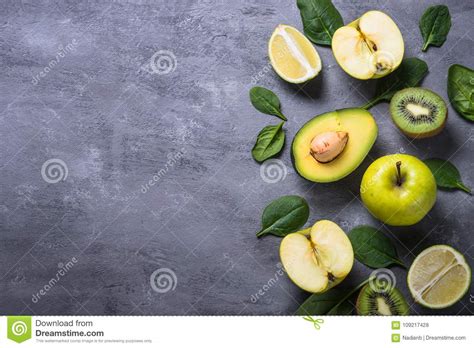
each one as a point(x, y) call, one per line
point(370, 47)
point(318, 259)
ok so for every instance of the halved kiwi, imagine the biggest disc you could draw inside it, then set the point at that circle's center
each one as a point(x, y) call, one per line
point(418, 112)
point(374, 300)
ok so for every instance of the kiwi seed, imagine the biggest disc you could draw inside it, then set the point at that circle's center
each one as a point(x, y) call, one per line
point(418, 112)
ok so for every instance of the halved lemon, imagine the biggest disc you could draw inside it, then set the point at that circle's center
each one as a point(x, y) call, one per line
point(439, 277)
point(292, 55)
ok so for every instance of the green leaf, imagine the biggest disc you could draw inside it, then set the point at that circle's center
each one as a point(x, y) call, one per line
point(409, 74)
point(434, 26)
point(320, 20)
point(318, 304)
point(284, 215)
point(266, 102)
point(343, 308)
point(332, 302)
point(461, 90)
point(270, 141)
point(373, 248)
point(446, 174)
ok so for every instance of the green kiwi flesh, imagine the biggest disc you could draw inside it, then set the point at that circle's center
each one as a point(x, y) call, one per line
point(381, 302)
point(418, 112)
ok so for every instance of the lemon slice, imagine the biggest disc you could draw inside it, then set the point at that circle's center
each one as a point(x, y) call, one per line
point(293, 57)
point(439, 277)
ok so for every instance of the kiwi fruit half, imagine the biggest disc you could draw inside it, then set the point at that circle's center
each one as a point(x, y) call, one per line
point(378, 301)
point(418, 112)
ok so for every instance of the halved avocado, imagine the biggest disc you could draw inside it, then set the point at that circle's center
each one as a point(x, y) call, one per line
point(362, 132)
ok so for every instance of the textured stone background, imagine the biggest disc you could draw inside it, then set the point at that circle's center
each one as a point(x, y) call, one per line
point(82, 83)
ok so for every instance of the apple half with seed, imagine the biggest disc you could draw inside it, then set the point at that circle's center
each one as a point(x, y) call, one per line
point(318, 258)
point(370, 47)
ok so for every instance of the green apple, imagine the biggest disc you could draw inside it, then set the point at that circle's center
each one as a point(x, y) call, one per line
point(398, 189)
point(370, 47)
point(319, 258)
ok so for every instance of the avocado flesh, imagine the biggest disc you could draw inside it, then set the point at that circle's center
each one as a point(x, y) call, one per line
point(362, 130)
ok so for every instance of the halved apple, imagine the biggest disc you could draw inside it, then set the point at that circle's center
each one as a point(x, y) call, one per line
point(319, 258)
point(370, 47)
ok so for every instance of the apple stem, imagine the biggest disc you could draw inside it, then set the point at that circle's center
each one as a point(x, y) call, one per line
point(399, 173)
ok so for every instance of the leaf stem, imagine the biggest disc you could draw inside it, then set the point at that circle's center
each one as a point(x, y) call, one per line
point(350, 293)
point(371, 103)
point(425, 46)
point(401, 264)
point(280, 115)
point(463, 187)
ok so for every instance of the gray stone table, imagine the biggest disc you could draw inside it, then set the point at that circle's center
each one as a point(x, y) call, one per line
point(127, 184)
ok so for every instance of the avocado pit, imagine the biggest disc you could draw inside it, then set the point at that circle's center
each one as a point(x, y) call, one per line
point(326, 146)
point(362, 130)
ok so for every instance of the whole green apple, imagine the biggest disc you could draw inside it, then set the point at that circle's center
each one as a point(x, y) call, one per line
point(398, 189)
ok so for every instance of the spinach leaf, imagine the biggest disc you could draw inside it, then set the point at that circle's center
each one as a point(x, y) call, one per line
point(284, 215)
point(270, 141)
point(343, 308)
point(320, 20)
point(409, 74)
point(461, 90)
point(318, 304)
point(332, 302)
point(373, 248)
point(266, 102)
point(434, 26)
point(446, 174)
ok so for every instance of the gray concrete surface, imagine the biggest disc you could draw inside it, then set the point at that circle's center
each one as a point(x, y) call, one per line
point(89, 84)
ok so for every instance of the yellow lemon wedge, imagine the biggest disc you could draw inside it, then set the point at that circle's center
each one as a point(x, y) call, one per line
point(292, 55)
point(439, 277)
